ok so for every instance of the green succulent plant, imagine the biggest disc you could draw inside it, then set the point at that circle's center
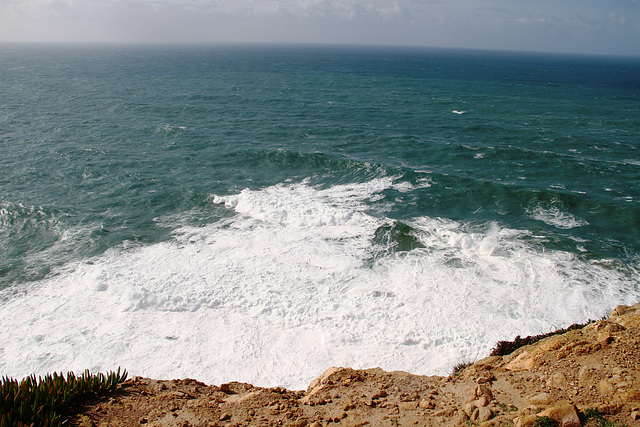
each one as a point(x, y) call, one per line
point(37, 401)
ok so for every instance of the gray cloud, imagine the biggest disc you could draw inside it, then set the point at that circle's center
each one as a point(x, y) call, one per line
point(569, 25)
point(618, 20)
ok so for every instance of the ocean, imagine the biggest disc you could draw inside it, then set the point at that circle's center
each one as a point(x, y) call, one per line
point(262, 213)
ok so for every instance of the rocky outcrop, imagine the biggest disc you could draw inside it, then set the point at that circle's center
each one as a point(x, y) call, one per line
point(559, 377)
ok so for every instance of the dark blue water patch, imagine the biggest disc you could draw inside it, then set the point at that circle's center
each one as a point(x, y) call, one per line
point(206, 62)
point(26, 231)
point(510, 67)
point(393, 238)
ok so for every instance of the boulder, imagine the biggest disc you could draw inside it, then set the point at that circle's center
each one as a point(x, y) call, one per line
point(322, 382)
point(408, 406)
point(540, 399)
point(586, 375)
point(557, 380)
point(521, 363)
point(564, 414)
point(483, 390)
point(605, 388)
point(484, 414)
point(462, 417)
point(621, 310)
point(525, 421)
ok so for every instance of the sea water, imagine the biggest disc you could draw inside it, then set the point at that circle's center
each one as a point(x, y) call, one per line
point(261, 213)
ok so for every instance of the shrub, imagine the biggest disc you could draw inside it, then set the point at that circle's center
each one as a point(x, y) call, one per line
point(599, 418)
point(545, 422)
point(504, 348)
point(459, 367)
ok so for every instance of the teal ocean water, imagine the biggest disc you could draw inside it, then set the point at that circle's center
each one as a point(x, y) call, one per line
point(260, 213)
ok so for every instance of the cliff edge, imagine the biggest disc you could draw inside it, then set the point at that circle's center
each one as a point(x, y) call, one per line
point(578, 378)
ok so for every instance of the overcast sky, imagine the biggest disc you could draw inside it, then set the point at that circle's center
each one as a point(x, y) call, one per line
point(579, 26)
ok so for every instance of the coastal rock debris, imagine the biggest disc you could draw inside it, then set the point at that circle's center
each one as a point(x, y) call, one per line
point(561, 377)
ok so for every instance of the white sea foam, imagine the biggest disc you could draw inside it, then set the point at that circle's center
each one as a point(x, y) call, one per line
point(288, 287)
point(425, 182)
point(169, 129)
point(404, 187)
point(554, 214)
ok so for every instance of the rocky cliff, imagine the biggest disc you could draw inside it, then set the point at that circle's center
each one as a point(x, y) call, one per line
point(589, 376)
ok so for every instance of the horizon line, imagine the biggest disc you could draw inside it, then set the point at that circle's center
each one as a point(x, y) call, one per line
point(280, 44)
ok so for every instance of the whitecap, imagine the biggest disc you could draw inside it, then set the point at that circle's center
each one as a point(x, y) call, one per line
point(555, 215)
point(404, 187)
point(425, 182)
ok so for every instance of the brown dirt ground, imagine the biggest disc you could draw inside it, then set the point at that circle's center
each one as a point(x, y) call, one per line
point(596, 367)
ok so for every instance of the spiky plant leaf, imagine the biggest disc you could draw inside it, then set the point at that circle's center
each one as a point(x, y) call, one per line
point(32, 401)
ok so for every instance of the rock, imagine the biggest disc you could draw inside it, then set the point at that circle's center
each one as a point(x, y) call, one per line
point(484, 414)
point(629, 396)
point(631, 318)
point(564, 414)
point(609, 408)
point(340, 416)
point(635, 415)
point(325, 377)
point(408, 406)
point(475, 414)
point(483, 401)
point(614, 327)
point(621, 310)
point(469, 408)
point(445, 413)
point(483, 390)
point(540, 399)
point(225, 388)
point(461, 417)
point(485, 378)
point(427, 404)
point(586, 375)
point(525, 421)
point(488, 362)
point(605, 337)
point(521, 363)
point(551, 343)
point(605, 388)
point(557, 380)
point(380, 394)
point(322, 382)
point(225, 416)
